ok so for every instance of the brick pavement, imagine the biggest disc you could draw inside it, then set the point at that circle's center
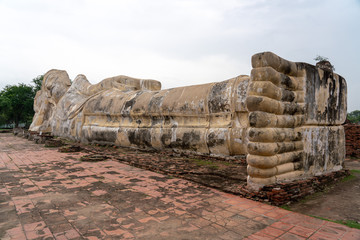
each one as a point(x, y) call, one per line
point(45, 194)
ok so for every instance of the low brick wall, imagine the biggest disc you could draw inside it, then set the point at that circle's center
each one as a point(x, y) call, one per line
point(352, 136)
point(283, 193)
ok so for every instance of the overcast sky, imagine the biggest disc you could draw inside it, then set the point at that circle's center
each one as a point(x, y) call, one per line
point(178, 42)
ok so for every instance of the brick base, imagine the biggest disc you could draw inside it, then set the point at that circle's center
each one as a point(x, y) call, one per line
point(352, 136)
point(283, 193)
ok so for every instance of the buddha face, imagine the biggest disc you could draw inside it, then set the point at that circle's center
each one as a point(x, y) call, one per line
point(54, 86)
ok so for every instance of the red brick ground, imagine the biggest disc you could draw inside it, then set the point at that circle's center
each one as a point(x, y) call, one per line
point(45, 194)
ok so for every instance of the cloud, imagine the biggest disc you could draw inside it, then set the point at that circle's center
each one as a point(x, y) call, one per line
point(179, 42)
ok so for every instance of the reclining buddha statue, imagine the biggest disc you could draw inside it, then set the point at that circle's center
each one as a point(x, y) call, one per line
point(285, 117)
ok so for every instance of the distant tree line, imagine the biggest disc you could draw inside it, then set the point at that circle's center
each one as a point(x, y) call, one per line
point(16, 103)
point(354, 116)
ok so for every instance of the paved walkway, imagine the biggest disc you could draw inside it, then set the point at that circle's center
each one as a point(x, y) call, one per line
point(45, 194)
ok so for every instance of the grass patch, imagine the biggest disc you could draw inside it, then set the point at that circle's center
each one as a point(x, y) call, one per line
point(348, 178)
point(214, 167)
point(286, 207)
point(327, 188)
point(5, 130)
point(351, 176)
point(205, 163)
point(227, 163)
point(314, 195)
point(349, 223)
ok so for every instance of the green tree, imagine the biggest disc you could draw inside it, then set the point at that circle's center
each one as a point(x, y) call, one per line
point(16, 104)
point(354, 116)
point(323, 62)
point(3, 117)
point(37, 82)
point(321, 58)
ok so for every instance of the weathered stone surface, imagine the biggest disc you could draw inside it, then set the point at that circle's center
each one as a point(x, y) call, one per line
point(54, 86)
point(295, 112)
point(285, 117)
